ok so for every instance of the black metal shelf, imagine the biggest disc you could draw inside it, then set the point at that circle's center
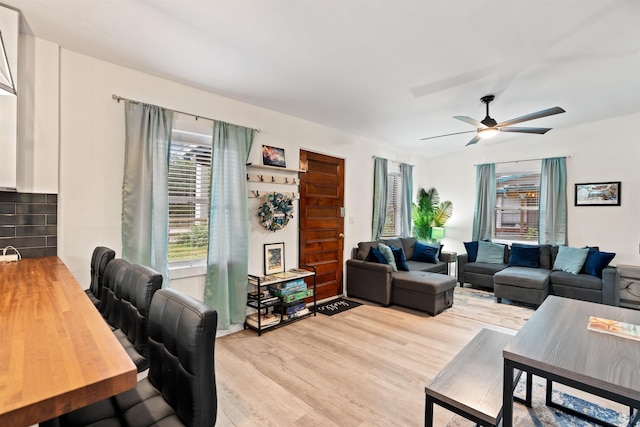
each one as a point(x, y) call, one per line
point(261, 281)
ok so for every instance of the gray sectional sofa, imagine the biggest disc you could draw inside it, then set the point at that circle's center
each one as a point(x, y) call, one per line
point(373, 281)
point(533, 285)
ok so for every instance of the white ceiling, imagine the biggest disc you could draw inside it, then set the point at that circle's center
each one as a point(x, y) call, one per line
point(390, 70)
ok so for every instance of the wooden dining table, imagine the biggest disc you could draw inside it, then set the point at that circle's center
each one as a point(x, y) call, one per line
point(57, 353)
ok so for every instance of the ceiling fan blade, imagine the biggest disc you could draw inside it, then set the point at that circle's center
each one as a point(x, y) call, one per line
point(448, 134)
point(532, 116)
point(473, 141)
point(526, 130)
point(470, 121)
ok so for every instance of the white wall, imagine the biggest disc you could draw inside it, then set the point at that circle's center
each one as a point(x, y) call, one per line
point(604, 151)
point(91, 150)
point(92, 158)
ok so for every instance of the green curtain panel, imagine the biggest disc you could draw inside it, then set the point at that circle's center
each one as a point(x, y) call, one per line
point(145, 201)
point(485, 202)
point(407, 198)
point(227, 256)
point(553, 202)
point(379, 197)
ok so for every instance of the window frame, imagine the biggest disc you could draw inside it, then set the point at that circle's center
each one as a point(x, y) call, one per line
point(394, 201)
point(525, 179)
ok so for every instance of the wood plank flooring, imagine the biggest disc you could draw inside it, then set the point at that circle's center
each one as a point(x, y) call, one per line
point(365, 367)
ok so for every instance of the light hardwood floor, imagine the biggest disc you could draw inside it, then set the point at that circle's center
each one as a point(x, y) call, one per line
point(365, 367)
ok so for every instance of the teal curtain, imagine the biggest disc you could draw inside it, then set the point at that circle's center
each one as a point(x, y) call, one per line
point(553, 202)
point(145, 200)
point(379, 197)
point(485, 202)
point(407, 194)
point(227, 256)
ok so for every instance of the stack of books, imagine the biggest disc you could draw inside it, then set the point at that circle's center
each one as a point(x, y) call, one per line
point(263, 295)
point(291, 291)
point(266, 320)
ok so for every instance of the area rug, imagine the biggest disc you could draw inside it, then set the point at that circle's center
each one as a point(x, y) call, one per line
point(336, 306)
point(541, 415)
point(481, 305)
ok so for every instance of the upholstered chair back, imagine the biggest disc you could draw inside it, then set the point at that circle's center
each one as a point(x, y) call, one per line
point(110, 306)
point(138, 286)
point(182, 334)
point(99, 259)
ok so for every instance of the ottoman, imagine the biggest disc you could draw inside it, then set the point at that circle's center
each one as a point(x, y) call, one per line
point(430, 292)
point(522, 284)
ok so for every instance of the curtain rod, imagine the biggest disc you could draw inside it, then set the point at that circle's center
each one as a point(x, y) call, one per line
point(525, 160)
point(120, 98)
point(389, 160)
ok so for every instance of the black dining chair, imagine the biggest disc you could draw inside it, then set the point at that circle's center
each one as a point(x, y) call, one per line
point(180, 389)
point(99, 260)
point(134, 296)
point(110, 306)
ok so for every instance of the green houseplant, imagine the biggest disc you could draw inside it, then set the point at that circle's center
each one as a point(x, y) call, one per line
point(429, 212)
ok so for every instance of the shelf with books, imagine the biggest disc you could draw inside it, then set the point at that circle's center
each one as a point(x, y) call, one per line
point(280, 298)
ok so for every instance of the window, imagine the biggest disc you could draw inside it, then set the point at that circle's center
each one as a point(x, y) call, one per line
point(394, 188)
point(517, 202)
point(189, 180)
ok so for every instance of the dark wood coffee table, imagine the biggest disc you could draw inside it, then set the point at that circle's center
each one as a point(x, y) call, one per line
point(470, 384)
point(556, 344)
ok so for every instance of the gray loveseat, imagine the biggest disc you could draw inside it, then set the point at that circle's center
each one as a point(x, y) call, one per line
point(533, 285)
point(373, 281)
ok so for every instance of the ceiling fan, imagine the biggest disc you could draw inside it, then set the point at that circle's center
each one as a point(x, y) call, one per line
point(488, 127)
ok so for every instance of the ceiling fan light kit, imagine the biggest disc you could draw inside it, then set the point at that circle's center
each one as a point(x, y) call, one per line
point(489, 127)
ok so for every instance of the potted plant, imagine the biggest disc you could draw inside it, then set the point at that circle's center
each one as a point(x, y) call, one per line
point(429, 212)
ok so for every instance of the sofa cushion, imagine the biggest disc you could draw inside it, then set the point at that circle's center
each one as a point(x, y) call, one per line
point(396, 243)
point(423, 282)
point(375, 256)
point(388, 255)
point(484, 268)
point(426, 252)
point(491, 253)
point(524, 256)
point(523, 277)
point(597, 261)
point(584, 281)
point(472, 250)
point(545, 257)
point(570, 259)
point(440, 267)
point(399, 257)
point(408, 244)
point(363, 249)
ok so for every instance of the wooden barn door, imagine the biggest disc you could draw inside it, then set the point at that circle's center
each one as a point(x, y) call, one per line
point(322, 220)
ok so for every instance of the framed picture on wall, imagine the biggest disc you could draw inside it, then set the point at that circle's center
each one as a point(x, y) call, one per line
point(273, 156)
point(598, 194)
point(273, 258)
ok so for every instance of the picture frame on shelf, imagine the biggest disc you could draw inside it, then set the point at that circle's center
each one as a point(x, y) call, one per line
point(273, 156)
point(598, 194)
point(273, 258)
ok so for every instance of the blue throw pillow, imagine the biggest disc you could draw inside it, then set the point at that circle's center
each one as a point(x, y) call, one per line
point(400, 258)
point(472, 250)
point(388, 255)
point(524, 256)
point(490, 253)
point(570, 260)
point(375, 256)
point(424, 252)
point(597, 261)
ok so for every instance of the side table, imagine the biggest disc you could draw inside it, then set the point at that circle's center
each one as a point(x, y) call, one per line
point(449, 258)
